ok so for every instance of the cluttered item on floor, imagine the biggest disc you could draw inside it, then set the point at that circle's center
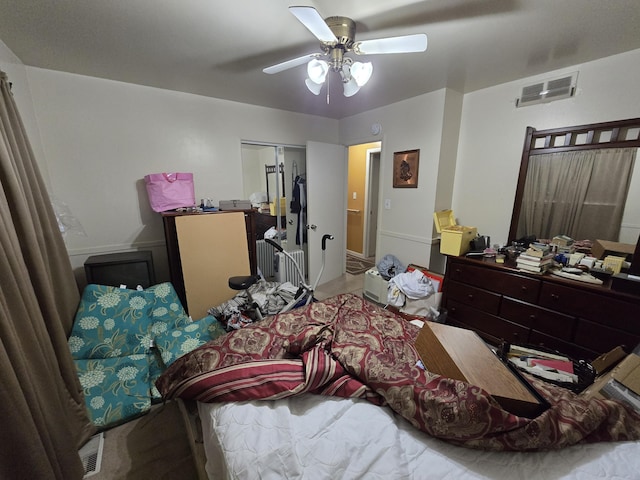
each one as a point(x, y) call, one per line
point(550, 366)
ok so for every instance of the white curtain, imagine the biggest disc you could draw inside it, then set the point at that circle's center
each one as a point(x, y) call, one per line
point(580, 194)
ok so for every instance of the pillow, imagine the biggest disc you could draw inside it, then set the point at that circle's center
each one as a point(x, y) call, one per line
point(156, 368)
point(167, 307)
point(115, 389)
point(111, 322)
point(176, 342)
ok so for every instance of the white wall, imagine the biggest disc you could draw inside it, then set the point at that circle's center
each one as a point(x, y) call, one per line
point(406, 229)
point(100, 138)
point(493, 129)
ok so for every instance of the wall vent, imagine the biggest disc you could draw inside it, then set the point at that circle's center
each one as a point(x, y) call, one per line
point(91, 455)
point(548, 90)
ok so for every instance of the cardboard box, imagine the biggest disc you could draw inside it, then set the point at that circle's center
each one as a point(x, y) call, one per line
point(375, 286)
point(603, 248)
point(462, 355)
point(621, 383)
point(455, 239)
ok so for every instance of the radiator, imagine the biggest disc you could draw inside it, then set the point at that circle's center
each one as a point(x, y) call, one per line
point(265, 253)
point(286, 270)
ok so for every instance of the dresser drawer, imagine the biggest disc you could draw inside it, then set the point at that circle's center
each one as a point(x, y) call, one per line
point(509, 284)
point(601, 339)
point(591, 306)
point(485, 323)
point(577, 352)
point(541, 319)
point(484, 300)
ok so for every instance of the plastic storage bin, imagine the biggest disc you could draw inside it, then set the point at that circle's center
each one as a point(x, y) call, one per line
point(455, 239)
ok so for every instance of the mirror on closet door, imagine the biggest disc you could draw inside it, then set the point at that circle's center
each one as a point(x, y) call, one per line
point(272, 172)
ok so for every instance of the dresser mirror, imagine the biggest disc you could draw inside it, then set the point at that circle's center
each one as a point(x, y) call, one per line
point(562, 160)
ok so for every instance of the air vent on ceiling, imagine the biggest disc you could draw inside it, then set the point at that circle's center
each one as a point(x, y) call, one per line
point(548, 90)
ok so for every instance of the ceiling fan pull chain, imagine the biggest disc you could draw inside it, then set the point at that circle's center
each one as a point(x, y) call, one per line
point(328, 88)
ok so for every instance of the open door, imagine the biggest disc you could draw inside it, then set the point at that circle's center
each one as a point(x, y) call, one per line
point(326, 208)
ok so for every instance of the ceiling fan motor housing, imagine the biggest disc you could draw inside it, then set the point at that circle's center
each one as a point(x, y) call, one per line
point(344, 29)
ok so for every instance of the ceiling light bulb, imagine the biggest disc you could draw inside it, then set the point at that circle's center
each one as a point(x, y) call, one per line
point(350, 88)
point(317, 70)
point(313, 86)
point(361, 72)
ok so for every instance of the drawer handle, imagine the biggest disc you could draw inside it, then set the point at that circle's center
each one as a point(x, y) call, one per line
point(523, 288)
point(470, 296)
point(532, 316)
point(555, 296)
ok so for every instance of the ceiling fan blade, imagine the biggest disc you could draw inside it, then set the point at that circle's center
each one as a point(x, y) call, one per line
point(294, 62)
point(403, 44)
point(311, 19)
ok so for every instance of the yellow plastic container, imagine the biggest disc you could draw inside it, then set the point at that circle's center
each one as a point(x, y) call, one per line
point(283, 207)
point(455, 239)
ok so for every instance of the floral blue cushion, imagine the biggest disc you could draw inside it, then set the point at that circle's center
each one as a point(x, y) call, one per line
point(115, 389)
point(167, 307)
point(156, 367)
point(112, 322)
point(173, 343)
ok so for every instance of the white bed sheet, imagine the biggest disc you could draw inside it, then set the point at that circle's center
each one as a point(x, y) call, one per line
point(314, 437)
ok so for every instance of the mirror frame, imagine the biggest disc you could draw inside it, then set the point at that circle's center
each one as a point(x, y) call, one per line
point(581, 137)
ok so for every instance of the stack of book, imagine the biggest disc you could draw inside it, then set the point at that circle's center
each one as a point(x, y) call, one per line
point(564, 244)
point(537, 258)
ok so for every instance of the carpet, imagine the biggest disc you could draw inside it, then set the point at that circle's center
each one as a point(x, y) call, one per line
point(357, 265)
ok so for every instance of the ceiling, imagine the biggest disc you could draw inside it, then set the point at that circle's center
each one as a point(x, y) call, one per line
point(218, 48)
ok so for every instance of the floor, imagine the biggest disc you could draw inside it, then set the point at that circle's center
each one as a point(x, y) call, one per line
point(347, 283)
point(157, 445)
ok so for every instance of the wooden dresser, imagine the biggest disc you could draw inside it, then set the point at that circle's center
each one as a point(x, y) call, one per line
point(501, 303)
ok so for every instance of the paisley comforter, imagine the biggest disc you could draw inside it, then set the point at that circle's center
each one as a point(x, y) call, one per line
point(346, 346)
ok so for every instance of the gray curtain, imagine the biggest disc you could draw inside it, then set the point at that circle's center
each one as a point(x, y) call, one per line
point(579, 194)
point(44, 420)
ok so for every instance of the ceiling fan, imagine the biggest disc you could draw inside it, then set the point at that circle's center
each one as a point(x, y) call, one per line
point(337, 37)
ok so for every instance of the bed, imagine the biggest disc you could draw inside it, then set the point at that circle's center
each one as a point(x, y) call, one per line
point(334, 390)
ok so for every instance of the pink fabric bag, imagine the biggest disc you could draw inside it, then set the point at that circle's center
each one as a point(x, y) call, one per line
point(168, 191)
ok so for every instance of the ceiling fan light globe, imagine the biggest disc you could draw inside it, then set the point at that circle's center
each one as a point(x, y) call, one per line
point(317, 70)
point(361, 72)
point(350, 88)
point(313, 86)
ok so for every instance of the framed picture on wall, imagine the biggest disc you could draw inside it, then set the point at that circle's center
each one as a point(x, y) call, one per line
point(405, 169)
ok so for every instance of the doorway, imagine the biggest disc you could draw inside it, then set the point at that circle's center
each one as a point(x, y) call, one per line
point(363, 199)
point(269, 173)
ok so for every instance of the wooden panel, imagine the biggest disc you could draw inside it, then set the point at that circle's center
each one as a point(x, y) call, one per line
point(212, 249)
point(541, 319)
point(592, 306)
point(501, 281)
point(566, 348)
point(481, 299)
point(490, 324)
point(602, 339)
point(460, 354)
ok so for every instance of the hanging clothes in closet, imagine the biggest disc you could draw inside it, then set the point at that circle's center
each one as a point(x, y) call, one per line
point(298, 206)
